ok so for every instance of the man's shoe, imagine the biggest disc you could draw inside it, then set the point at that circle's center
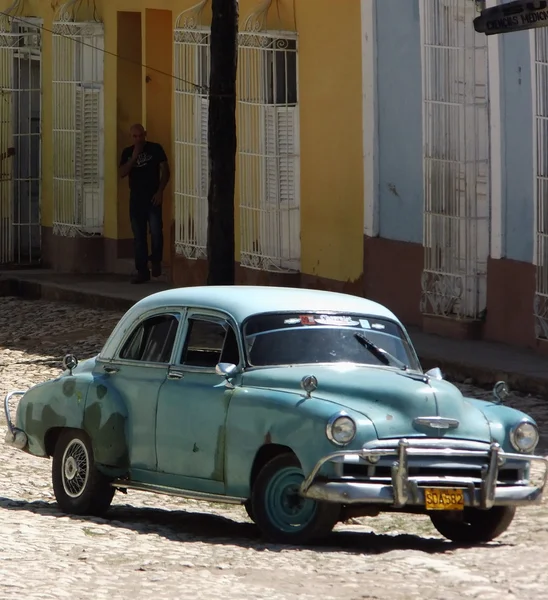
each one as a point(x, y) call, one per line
point(140, 277)
point(156, 269)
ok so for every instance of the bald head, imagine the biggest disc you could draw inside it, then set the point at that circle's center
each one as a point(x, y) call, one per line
point(138, 134)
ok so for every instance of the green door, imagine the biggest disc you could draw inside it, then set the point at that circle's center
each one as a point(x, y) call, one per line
point(137, 372)
point(193, 405)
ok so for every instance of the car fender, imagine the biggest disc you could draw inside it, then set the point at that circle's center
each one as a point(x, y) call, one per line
point(54, 404)
point(501, 420)
point(258, 418)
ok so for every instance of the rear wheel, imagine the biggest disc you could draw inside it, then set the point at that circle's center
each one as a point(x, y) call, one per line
point(281, 513)
point(472, 525)
point(79, 488)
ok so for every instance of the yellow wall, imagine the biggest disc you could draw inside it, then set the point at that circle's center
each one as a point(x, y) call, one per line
point(330, 85)
point(330, 93)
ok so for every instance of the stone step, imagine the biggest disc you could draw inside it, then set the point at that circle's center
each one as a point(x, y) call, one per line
point(126, 266)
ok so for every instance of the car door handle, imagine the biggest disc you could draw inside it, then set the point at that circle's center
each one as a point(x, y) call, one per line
point(110, 370)
point(175, 375)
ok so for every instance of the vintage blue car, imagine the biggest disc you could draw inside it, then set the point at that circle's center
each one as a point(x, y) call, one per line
point(307, 407)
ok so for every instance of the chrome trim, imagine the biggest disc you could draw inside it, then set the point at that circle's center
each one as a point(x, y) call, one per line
point(309, 383)
point(404, 490)
point(436, 422)
point(427, 442)
point(331, 422)
point(169, 491)
point(7, 399)
point(368, 493)
point(175, 375)
point(14, 437)
point(513, 435)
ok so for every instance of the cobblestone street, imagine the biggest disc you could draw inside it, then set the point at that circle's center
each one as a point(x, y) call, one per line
point(161, 547)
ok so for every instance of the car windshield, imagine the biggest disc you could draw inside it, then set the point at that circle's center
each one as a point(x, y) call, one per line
point(285, 339)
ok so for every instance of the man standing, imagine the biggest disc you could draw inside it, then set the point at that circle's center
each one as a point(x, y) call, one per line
point(146, 165)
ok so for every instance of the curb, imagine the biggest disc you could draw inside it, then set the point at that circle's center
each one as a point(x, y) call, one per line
point(453, 370)
point(35, 290)
point(486, 377)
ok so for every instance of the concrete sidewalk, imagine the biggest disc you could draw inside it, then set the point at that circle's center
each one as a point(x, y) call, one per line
point(483, 362)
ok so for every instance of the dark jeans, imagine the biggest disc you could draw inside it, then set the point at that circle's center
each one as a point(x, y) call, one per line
point(143, 213)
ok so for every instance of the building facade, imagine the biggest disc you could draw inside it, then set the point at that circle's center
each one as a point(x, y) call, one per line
point(384, 149)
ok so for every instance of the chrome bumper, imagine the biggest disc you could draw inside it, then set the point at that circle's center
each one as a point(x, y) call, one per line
point(14, 437)
point(404, 490)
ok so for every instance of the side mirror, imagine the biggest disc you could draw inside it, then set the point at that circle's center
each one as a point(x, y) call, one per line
point(70, 362)
point(226, 370)
point(500, 391)
point(434, 373)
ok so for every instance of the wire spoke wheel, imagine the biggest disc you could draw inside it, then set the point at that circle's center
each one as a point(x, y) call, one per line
point(79, 487)
point(75, 468)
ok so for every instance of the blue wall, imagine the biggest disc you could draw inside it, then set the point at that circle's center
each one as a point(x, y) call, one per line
point(400, 120)
point(399, 84)
point(518, 157)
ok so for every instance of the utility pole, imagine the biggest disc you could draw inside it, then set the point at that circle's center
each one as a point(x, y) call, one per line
point(222, 142)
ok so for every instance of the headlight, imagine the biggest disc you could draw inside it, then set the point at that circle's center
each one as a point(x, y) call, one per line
point(341, 429)
point(524, 437)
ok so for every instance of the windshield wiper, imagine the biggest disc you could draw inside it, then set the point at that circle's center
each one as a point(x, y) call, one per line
point(385, 357)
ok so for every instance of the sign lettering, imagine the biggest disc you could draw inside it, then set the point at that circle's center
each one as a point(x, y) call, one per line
point(519, 15)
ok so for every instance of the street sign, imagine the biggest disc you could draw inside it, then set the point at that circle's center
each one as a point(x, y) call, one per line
point(512, 16)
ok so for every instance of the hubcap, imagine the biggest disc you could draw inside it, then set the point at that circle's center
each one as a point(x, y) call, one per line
point(75, 468)
point(287, 510)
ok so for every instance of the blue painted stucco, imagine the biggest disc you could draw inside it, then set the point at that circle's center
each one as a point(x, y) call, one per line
point(518, 156)
point(399, 120)
point(399, 85)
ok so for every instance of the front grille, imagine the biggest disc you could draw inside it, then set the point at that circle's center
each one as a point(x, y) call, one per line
point(365, 472)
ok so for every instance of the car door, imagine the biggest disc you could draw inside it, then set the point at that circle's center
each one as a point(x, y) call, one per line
point(193, 404)
point(137, 371)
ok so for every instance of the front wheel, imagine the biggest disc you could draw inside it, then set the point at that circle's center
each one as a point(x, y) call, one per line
point(281, 513)
point(80, 489)
point(472, 525)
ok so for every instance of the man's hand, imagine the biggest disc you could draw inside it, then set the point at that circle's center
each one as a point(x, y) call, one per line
point(158, 198)
point(137, 149)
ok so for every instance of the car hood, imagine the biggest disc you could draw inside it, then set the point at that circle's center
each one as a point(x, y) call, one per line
point(390, 398)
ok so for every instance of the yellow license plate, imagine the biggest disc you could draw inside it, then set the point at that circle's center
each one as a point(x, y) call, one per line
point(444, 499)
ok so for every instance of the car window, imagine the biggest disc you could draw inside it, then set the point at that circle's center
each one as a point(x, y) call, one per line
point(208, 343)
point(280, 339)
point(152, 340)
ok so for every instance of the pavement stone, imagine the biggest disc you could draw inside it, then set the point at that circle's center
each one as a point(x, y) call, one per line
point(164, 547)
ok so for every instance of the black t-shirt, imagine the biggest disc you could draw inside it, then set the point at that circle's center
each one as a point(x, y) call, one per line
point(144, 177)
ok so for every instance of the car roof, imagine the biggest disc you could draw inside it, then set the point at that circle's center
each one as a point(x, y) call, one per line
point(243, 301)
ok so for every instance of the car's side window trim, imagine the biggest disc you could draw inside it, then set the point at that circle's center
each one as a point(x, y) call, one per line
point(210, 317)
point(172, 310)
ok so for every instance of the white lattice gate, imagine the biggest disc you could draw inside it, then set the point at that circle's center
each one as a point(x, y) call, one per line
point(20, 141)
point(269, 153)
point(456, 160)
point(78, 127)
point(540, 102)
point(191, 72)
